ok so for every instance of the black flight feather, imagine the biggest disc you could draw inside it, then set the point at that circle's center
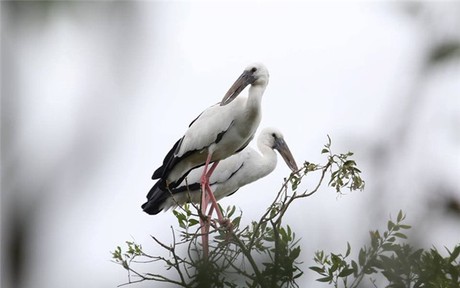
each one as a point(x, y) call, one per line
point(171, 160)
point(161, 171)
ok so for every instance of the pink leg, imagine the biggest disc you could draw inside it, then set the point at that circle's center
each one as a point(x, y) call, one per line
point(204, 226)
point(206, 191)
point(205, 239)
point(205, 183)
point(210, 194)
point(214, 203)
point(211, 209)
point(204, 176)
point(204, 204)
point(211, 170)
point(204, 201)
point(205, 180)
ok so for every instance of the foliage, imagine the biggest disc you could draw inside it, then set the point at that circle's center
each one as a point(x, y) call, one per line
point(399, 264)
point(262, 254)
point(265, 253)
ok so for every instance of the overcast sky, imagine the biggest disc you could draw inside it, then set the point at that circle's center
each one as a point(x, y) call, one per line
point(103, 91)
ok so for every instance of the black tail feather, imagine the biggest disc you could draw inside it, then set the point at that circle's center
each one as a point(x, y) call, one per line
point(168, 162)
point(155, 198)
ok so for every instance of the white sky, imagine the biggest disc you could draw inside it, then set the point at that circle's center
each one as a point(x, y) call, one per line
point(335, 69)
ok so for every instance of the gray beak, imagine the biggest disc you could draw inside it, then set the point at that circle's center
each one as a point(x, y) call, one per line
point(282, 147)
point(244, 80)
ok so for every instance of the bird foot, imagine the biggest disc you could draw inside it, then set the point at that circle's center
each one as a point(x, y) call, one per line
point(225, 223)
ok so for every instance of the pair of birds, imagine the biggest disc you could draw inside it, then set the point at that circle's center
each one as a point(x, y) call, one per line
point(220, 135)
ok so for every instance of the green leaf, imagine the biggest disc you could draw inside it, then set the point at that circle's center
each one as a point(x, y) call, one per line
point(400, 216)
point(362, 257)
point(186, 207)
point(283, 234)
point(390, 225)
point(317, 269)
point(416, 255)
point(389, 247)
point(232, 210)
point(325, 279)
point(349, 163)
point(374, 239)
point(328, 142)
point(348, 250)
point(400, 235)
point(324, 151)
point(335, 265)
point(453, 256)
point(386, 261)
point(236, 221)
point(295, 253)
point(355, 268)
point(346, 272)
point(298, 275)
point(369, 271)
point(192, 222)
point(319, 255)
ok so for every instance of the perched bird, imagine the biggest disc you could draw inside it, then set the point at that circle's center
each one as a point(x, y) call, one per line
point(217, 133)
point(231, 174)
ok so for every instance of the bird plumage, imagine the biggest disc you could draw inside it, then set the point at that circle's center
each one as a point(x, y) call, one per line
point(231, 174)
point(220, 131)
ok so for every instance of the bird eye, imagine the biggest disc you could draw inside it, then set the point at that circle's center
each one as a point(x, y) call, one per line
point(274, 135)
point(254, 69)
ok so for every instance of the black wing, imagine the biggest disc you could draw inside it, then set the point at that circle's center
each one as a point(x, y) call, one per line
point(155, 198)
point(167, 162)
point(171, 159)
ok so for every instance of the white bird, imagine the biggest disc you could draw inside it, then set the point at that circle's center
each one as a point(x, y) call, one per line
point(217, 133)
point(231, 174)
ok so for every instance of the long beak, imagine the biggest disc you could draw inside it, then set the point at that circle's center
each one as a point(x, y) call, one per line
point(244, 80)
point(282, 147)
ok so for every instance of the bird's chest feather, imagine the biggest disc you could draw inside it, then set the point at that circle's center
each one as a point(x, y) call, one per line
point(248, 122)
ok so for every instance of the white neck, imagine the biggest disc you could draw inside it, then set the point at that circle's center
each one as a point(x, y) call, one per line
point(255, 95)
point(267, 162)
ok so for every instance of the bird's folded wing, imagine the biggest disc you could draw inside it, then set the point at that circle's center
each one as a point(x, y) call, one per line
point(207, 129)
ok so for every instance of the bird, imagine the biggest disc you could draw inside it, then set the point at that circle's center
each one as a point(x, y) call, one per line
point(232, 173)
point(217, 133)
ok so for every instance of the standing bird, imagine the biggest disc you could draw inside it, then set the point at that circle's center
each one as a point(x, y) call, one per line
point(217, 133)
point(231, 174)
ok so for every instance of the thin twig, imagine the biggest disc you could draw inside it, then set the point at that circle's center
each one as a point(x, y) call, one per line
point(304, 194)
point(161, 244)
point(176, 260)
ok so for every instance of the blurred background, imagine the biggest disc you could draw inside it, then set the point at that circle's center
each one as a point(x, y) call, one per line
point(94, 94)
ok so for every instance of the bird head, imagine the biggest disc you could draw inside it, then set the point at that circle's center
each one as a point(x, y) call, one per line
point(254, 74)
point(274, 138)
